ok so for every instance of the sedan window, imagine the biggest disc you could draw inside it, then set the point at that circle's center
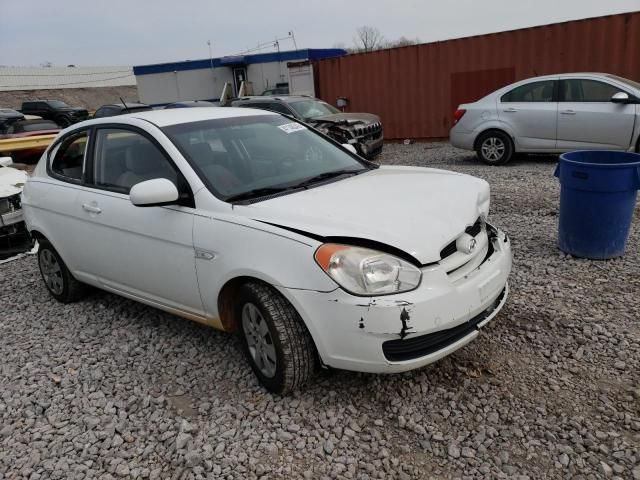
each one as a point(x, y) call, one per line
point(124, 158)
point(236, 156)
point(531, 92)
point(583, 90)
point(68, 162)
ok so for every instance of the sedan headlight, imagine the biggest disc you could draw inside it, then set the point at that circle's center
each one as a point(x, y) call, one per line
point(363, 271)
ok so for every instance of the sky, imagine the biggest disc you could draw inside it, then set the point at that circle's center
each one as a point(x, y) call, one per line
point(137, 32)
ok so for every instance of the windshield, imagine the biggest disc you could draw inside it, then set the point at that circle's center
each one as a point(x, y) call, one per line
point(57, 104)
point(259, 154)
point(308, 109)
point(631, 83)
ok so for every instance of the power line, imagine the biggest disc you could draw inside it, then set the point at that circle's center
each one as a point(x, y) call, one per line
point(54, 85)
point(70, 74)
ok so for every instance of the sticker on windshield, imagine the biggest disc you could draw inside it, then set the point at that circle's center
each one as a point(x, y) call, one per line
point(291, 127)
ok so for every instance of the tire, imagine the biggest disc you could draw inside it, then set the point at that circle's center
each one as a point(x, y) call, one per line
point(494, 148)
point(269, 324)
point(56, 276)
point(64, 122)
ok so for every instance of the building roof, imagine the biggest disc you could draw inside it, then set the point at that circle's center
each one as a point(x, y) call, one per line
point(239, 60)
point(38, 78)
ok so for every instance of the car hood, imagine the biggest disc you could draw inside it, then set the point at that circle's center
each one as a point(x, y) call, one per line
point(11, 181)
point(416, 210)
point(350, 118)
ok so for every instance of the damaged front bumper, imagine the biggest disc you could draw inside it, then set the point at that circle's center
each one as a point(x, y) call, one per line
point(400, 332)
point(14, 237)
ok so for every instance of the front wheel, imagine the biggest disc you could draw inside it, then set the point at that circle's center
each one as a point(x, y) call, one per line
point(275, 340)
point(494, 148)
point(63, 122)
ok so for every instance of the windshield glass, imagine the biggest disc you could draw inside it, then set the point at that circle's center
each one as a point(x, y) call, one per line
point(631, 83)
point(58, 104)
point(308, 109)
point(234, 156)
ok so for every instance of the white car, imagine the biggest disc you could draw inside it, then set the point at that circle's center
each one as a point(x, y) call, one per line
point(551, 114)
point(254, 223)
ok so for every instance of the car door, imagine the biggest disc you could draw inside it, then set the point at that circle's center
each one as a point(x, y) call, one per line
point(530, 112)
point(588, 119)
point(143, 252)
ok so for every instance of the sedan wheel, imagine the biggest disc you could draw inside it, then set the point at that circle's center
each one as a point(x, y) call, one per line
point(275, 340)
point(56, 276)
point(259, 340)
point(494, 148)
point(51, 272)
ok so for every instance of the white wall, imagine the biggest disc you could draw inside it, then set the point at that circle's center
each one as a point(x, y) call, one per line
point(183, 85)
point(266, 75)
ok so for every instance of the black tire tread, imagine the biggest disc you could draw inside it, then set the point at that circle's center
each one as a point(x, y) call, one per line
point(297, 345)
point(508, 142)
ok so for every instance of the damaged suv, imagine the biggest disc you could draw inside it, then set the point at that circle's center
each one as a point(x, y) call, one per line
point(362, 130)
point(254, 223)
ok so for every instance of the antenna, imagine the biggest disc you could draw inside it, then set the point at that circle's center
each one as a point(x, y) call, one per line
point(125, 105)
point(293, 37)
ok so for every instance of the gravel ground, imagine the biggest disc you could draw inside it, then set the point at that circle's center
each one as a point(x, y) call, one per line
point(108, 388)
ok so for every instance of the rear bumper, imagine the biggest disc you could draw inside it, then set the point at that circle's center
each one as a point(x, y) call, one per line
point(461, 139)
point(401, 332)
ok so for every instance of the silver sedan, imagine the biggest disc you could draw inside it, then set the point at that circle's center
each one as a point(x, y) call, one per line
point(551, 114)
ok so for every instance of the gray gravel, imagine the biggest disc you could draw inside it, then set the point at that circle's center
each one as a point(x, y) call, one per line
point(108, 388)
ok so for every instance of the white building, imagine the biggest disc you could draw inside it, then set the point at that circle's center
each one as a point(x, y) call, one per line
point(204, 79)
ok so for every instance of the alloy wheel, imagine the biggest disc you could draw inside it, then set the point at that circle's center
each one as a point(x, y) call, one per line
point(51, 272)
point(259, 341)
point(493, 148)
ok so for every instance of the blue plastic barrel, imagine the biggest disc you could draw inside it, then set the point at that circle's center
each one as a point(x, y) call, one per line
point(597, 197)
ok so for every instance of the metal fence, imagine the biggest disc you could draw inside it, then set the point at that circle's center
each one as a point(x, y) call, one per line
point(416, 89)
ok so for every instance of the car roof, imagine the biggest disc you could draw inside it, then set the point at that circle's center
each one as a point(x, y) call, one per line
point(175, 116)
point(128, 104)
point(271, 98)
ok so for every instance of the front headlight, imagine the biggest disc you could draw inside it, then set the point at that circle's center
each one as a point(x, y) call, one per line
point(363, 271)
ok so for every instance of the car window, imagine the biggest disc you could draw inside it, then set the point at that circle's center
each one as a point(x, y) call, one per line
point(234, 156)
point(279, 108)
point(312, 108)
point(123, 158)
point(583, 90)
point(69, 158)
point(531, 92)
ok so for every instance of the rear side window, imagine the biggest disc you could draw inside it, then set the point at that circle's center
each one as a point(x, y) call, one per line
point(123, 158)
point(68, 162)
point(583, 90)
point(531, 92)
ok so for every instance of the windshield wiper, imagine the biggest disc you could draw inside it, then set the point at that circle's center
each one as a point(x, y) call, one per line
point(327, 175)
point(259, 192)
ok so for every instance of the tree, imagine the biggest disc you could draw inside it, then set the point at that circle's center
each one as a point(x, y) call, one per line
point(402, 42)
point(368, 39)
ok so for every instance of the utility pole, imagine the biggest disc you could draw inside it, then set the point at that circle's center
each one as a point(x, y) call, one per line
point(210, 56)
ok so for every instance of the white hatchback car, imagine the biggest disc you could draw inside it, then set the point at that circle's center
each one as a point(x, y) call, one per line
point(253, 223)
point(551, 114)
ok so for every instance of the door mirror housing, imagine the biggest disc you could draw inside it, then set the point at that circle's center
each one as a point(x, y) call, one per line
point(621, 97)
point(5, 161)
point(351, 148)
point(153, 193)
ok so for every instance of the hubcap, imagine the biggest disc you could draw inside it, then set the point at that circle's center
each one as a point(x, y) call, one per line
point(259, 340)
point(51, 272)
point(493, 148)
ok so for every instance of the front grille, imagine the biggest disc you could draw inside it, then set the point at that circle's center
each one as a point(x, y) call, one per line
point(411, 348)
point(369, 132)
point(473, 230)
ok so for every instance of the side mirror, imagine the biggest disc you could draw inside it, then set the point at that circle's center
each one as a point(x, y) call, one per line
point(620, 97)
point(351, 148)
point(152, 193)
point(5, 161)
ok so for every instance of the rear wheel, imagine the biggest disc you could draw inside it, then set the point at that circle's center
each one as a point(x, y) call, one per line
point(57, 278)
point(276, 342)
point(494, 148)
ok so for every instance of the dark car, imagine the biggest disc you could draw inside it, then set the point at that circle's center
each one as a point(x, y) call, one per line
point(191, 104)
point(55, 110)
point(281, 90)
point(8, 116)
point(362, 130)
point(120, 109)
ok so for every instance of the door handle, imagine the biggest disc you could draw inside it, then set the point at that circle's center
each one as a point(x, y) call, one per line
point(91, 208)
point(510, 110)
point(568, 112)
